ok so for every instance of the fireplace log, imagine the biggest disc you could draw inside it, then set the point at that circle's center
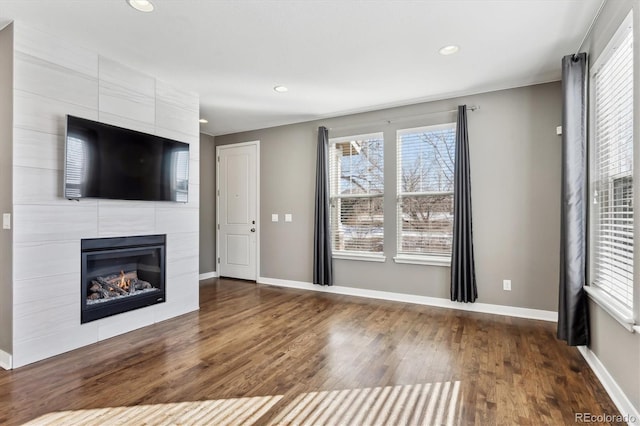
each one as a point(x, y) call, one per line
point(97, 288)
point(141, 285)
point(111, 286)
point(116, 278)
point(107, 287)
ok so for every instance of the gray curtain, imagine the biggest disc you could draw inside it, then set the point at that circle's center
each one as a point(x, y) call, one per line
point(573, 316)
point(322, 261)
point(463, 270)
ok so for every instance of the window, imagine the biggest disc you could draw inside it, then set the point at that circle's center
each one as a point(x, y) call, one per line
point(612, 170)
point(425, 190)
point(356, 182)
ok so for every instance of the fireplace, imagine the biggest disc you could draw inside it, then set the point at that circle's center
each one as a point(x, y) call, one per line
point(121, 274)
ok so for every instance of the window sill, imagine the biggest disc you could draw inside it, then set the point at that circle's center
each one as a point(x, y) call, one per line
point(609, 305)
point(423, 260)
point(366, 257)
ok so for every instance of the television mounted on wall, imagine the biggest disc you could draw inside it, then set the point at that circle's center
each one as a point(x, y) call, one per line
point(105, 161)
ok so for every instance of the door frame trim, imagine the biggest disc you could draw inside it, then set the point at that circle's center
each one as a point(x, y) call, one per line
point(219, 148)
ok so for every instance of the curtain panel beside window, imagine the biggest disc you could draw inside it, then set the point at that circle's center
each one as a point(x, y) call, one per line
point(463, 270)
point(322, 260)
point(573, 320)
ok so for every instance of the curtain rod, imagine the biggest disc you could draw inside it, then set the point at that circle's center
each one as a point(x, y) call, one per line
point(595, 18)
point(401, 119)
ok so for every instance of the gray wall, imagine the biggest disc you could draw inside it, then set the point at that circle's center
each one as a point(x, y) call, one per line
point(6, 185)
point(515, 167)
point(618, 349)
point(207, 204)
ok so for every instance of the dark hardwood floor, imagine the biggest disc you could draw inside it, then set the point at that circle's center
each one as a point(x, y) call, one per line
point(320, 359)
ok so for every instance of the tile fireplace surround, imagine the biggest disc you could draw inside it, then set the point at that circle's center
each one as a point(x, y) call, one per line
point(52, 78)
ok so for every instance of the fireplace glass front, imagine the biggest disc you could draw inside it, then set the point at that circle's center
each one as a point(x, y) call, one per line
point(121, 274)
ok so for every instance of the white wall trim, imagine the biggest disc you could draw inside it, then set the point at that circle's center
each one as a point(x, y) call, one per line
point(208, 275)
point(611, 306)
point(486, 308)
point(6, 360)
point(629, 412)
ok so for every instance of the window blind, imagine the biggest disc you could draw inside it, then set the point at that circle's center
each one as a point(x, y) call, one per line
point(612, 184)
point(425, 189)
point(356, 170)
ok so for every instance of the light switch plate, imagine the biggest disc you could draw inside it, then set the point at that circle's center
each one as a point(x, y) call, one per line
point(506, 285)
point(6, 220)
point(288, 217)
point(274, 217)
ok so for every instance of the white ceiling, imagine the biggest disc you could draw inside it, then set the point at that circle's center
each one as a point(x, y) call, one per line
point(335, 56)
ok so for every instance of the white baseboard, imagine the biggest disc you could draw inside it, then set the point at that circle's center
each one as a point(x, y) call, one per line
point(486, 308)
point(208, 275)
point(630, 413)
point(6, 360)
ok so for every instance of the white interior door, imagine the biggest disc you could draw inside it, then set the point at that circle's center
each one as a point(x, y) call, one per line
point(237, 211)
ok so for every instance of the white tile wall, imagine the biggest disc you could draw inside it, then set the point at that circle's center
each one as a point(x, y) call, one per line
point(179, 267)
point(47, 115)
point(55, 50)
point(182, 297)
point(37, 149)
point(71, 222)
point(53, 81)
point(194, 171)
point(55, 78)
point(54, 313)
point(37, 289)
point(41, 186)
point(58, 341)
point(174, 109)
point(117, 100)
point(128, 78)
point(183, 245)
point(46, 259)
point(122, 221)
point(125, 322)
point(170, 220)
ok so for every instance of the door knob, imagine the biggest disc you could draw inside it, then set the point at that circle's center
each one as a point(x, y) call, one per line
point(253, 229)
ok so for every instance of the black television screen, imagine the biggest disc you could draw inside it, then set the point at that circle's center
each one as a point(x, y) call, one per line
point(104, 161)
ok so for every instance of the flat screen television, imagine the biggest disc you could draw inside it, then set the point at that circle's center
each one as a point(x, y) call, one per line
point(104, 161)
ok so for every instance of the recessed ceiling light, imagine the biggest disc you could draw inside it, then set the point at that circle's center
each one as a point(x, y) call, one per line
point(141, 5)
point(280, 89)
point(204, 121)
point(449, 50)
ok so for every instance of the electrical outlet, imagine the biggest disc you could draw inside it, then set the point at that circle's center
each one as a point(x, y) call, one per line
point(6, 221)
point(506, 285)
point(274, 217)
point(288, 217)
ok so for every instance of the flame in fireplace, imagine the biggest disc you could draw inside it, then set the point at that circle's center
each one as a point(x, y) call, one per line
point(124, 283)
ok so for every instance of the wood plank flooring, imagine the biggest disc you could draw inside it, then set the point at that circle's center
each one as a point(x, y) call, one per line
point(267, 355)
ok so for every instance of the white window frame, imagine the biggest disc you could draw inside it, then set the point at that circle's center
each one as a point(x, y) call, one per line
point(613, 307)
point(430, 259)
point(354, 255)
